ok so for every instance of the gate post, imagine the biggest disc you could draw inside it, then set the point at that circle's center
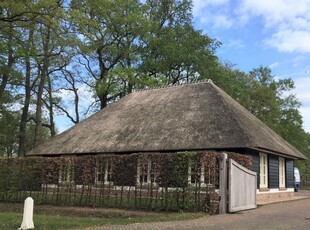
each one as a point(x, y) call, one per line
point(223, 183)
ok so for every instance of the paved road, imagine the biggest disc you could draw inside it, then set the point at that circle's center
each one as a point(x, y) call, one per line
point(286, 215)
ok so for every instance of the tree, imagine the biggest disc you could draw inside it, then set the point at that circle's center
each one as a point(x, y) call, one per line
point(232, 81)
point(39, 44)
point(107, 31)
point(180, 54)
point(29, 84)
point(8, 53)
point(8, 133)
point(173, 51)
point(262, 96)
point(127, 45)
point(271, 101)
point(70, 85)
point(304, 165)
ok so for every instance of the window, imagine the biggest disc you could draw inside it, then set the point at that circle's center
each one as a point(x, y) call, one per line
point(104, 170)
point(146, 172)
point(66, 173)
point(100, 171)
point(263, 170)
point(108, 173)
point(196, 174)
point(153, 172)
point(281, 172)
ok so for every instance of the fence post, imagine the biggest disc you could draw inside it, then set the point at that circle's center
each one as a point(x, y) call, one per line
point(28, 215)
point(223, 183)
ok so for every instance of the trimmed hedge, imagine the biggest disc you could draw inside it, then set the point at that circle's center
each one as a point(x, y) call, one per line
point(78, 180)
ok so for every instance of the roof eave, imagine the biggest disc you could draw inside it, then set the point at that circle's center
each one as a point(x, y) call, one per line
point(260, 149)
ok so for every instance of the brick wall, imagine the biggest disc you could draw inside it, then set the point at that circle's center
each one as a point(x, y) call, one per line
point(266, 198)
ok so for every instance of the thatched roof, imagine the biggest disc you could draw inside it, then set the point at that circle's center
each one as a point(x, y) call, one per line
point(197, 116)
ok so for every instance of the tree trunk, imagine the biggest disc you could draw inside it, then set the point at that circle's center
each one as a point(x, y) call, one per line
point(28, 88)
point(50, 108)
point(43, 71)
point(103, 97)
point(24, 116)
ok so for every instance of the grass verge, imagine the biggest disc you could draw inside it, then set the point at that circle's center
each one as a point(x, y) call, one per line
point(13, 221)
point(46, 217)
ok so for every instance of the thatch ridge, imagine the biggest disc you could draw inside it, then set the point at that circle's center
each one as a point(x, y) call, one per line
point(198, 116)
point(175, 85)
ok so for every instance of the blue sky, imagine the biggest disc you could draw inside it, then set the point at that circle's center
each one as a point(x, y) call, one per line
point(273, 33)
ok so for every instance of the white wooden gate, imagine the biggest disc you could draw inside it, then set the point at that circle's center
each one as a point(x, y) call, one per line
point(241, 187)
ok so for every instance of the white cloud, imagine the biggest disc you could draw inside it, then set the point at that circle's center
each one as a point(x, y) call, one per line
point(213, 12)
point(287, 20)
point(302, 92)
point(222, 21)
point(305, 112)
point(290, 41)
point(303, 89)
point(200, 6)
point(216, 20)
point(277, 12)
point(84, 92)
point(274, 65)
point(235, 43)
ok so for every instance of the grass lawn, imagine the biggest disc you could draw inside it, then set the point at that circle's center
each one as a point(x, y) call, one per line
point(45, 217)
point(13, 221)
point(306, 187)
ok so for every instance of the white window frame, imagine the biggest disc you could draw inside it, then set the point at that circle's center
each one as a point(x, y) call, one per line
point(104, 171)
point(191, 174)
point(100, 168)
point(66, 174)
point(145, 173)
point(282, 172)
point(263, 171)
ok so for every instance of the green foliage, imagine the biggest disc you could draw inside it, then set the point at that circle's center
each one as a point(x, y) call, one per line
point(179, 54)
point(22, 175)
point(8, 133)
point(262, 96)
